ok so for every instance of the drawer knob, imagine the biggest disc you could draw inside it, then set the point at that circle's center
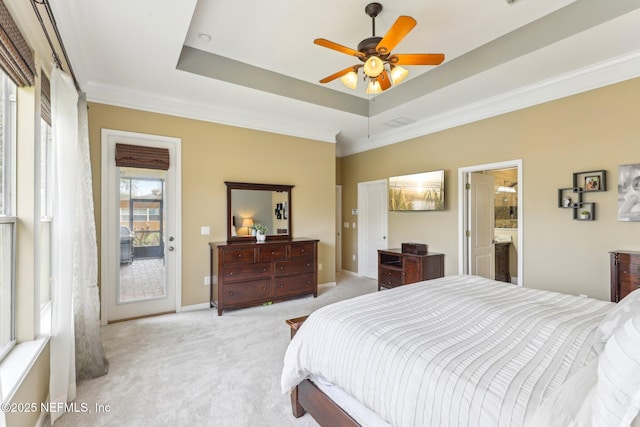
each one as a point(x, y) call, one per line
point(231, 273)
point(231, 293)
point(281, 268)
point(239, 255)
point(264, 269)
point(389, 273)
point(282, 286)
point(264, 289)
point(301, 250)
point(273, 252)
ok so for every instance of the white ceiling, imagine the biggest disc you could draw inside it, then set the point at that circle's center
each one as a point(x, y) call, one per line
point(261, 69)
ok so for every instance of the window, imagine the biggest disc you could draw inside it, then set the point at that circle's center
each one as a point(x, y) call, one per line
point(46, 212)
point(7, 213)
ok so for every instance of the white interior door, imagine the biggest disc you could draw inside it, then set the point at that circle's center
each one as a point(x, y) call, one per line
point(140, 225)
point(481, 225)
point(338, 227)
point(372, 225)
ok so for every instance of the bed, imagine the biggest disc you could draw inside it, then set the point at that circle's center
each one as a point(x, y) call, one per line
point(467, 351)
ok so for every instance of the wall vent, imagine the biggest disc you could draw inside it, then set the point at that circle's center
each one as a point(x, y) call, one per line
point(399, 122)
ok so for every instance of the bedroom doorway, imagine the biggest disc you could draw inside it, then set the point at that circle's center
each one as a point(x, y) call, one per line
point(140, 245)
point(491, 221)
point(372, 225)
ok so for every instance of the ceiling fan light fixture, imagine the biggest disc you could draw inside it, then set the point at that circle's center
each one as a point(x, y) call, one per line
point(398, 74)
point(373, 88)
point(350, 80)
point(373, 66)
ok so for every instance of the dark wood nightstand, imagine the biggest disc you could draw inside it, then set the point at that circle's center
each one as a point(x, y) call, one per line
point(625, 273)
point(396, 268)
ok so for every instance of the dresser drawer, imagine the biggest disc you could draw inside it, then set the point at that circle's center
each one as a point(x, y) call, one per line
point(245, 292)
point(629, 261)
point(628, 271)
point(294, 285)
point(238, 255)
point(628, 286)
point(236, 272)
point(390, 277)
point(266, 253)
point(300, 250)
point(299, 266)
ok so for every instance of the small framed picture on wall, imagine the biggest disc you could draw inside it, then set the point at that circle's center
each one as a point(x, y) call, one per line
point(592, 183)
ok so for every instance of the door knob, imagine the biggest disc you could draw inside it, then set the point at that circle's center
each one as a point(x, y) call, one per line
point(171, 239)
point(171, 248)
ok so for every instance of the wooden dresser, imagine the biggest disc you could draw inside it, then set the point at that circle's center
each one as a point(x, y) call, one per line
point(625, 273)
point(502, 262)
point(256, 273)
point(396, 268)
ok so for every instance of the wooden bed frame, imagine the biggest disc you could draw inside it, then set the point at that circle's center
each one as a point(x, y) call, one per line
point(307, 397)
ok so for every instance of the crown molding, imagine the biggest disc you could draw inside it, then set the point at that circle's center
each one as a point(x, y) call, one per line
point(123, 97)
point(582, 80)
point(593, 77)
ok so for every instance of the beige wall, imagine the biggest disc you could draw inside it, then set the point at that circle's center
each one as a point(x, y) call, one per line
point(34, 389)
point(590, 131)
point(214, 153)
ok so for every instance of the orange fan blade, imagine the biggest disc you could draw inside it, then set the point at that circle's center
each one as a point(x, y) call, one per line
point(396, 33)
point(417, 59)
point(338, 47)
point(338, 74)
point(385, 82)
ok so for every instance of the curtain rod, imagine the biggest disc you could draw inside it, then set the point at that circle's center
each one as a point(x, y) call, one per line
point(56, 58)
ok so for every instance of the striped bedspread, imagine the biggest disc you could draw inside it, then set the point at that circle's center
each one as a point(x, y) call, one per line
point(456, 351)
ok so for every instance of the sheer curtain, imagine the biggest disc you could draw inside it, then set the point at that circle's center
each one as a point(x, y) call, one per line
point(64, 121)
point(75, 332)
point(90, 359)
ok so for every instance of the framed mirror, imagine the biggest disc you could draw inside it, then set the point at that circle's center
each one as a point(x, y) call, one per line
point(251, 204)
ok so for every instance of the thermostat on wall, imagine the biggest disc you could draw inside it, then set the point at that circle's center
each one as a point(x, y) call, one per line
point(354, 211)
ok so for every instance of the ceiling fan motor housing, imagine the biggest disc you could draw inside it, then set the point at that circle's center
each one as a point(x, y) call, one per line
point(368, 47)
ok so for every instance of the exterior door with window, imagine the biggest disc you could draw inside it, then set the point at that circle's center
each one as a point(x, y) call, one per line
point(140, 270)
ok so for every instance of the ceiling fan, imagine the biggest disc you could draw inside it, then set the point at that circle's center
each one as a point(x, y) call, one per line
point(380, 66)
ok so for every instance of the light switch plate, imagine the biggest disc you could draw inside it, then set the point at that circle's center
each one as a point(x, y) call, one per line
point(205, 231)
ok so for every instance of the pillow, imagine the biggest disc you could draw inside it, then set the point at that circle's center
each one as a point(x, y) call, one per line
point(617, 398)
point(623, 311)
point(570, 405)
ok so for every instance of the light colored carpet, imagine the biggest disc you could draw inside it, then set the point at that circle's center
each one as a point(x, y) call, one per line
point(198, 369)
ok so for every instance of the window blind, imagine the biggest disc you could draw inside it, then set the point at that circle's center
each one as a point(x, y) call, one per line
point(16, 58)
point(137, 156)
point(45, 99)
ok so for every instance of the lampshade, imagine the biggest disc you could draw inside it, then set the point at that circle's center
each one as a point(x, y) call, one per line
point(373, 67)
point(374, 87)
point(247, 222)
point(398, 74)
point(350, 80)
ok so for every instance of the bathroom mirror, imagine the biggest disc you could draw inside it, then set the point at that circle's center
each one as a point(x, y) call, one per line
point(251, 204)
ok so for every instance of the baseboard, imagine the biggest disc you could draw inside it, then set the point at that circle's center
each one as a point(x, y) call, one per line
point(328, 284)
point(194, 307)
point(347, 272)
